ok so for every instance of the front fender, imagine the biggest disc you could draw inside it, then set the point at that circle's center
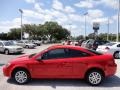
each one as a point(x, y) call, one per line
point(18, 66)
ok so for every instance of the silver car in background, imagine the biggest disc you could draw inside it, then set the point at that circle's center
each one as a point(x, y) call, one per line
point(25, 44)
point(8, 47)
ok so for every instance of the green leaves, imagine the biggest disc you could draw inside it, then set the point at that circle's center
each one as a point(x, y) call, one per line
point(49, 30)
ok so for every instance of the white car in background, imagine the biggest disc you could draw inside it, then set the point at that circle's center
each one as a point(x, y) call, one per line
point(25, 44)
point(8, 47)
point(111, 48)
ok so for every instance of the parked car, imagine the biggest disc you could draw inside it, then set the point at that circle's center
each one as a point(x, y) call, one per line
point(93, 44)
point(112, 48)
point(25, 44)
point(67, 42)
point(80, 42)
point(36, 42)
point(62, 62)
point(8, 47)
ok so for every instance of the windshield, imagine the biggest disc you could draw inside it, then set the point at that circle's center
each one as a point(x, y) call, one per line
point(8, 44)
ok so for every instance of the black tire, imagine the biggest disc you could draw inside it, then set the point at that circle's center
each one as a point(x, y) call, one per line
point(94, 77)
point(19, 79)
point(116, 55)
point(6, 51)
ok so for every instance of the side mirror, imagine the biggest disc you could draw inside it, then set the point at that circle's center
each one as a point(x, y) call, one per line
point(39, 58)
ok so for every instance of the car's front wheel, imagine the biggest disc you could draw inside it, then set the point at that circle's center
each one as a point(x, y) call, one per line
point(21, 76)
point(94, 77)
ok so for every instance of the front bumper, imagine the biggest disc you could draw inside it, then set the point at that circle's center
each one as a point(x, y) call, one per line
point(16, 51)
point(6, 71)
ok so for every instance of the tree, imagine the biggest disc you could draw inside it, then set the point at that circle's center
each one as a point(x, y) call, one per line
point(48, 30)
point(79, 37)
point(3, 36)
point(56, 31)
point(15, 33)
point(91, 36)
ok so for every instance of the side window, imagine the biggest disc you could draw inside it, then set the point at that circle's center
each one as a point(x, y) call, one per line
point(52, 54)
point(77, 53)
point(118, 45)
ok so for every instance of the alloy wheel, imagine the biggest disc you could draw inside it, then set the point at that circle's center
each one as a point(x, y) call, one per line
point(21, 77)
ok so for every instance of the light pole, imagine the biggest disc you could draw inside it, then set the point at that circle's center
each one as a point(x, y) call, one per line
point(117, 36)
point(70, 29)
point(108, 30)
point(20, 10)
point(85, 14)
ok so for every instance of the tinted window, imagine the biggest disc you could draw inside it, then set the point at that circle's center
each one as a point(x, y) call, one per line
point(56, 53)
point(8, 44)
point(77, 53)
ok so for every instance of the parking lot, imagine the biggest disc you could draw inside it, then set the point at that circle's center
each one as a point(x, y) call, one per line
point(7, 84)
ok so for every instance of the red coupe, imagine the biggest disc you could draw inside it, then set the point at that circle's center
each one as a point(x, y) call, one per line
point(62, 62)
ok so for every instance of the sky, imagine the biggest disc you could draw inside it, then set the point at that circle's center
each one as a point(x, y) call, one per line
point(68, 13)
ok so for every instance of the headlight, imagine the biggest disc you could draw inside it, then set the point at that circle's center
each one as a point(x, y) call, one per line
point(8, 64)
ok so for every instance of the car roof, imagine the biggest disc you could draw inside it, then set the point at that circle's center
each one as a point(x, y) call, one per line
point(65, 46)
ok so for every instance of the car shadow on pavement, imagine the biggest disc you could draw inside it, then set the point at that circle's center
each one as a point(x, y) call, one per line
point(108, 82)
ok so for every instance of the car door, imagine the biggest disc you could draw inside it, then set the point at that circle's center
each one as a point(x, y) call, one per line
point(79, 60)
point(53, 64)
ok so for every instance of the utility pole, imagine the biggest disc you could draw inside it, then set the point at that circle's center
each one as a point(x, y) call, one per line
point(70, 30)
point(117, 36)
point(108, 31)
point(20, 10)
point(85, 14)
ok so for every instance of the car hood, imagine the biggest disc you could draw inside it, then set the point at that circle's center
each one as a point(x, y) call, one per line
point(20, 59)
point(13, 47)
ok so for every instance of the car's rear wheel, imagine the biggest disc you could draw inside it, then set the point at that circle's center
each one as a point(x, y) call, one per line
point(116, 55)
point(94, 77)
point(21, 76)
point(6, 51)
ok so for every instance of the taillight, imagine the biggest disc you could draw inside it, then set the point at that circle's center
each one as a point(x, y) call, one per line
point(107, 48)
